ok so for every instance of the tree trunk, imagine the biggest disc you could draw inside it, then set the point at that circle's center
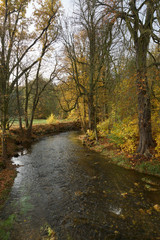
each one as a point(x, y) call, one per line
point(144, 114)
point(84, 114)
point(29, 130)
point(19, 107)
point(4, 146)
point(26, 101)
point(4, 123)
point(144, 105)
point(91, 113)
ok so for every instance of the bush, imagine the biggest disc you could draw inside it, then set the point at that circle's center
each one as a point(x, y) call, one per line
point(91, 135)
point(103, 128)
point(127, 133)
point(124, 134)
point(156, 132)
point(157, 148)
point(51, 119)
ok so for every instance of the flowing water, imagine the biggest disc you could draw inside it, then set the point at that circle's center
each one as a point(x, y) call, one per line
point(64, 187)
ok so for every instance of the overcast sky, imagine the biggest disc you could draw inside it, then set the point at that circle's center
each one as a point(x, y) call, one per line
point(68, 5)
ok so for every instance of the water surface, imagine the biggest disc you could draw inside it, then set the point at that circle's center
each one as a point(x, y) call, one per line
point(80, 195)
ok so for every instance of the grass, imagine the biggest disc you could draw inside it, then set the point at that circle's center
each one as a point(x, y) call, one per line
point(41, 122)
point(120, 160)
point(6, 227)
point(35, 122)
point(151, 167)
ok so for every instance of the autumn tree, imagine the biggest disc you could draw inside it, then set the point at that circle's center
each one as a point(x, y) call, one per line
point(142, 21)
point(14, 32)
point(88, 64)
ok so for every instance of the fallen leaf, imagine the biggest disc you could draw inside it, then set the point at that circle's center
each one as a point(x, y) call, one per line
point(78, 193)
point(124, 194)
point(136, 184)
point(141, 211)
point(149, 211)
point(157, 207)
point(131, 190)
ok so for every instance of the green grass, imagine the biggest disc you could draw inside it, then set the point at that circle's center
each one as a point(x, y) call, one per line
point(149, 167)
point(35, 122)
point(41, 121)
point(5, 227)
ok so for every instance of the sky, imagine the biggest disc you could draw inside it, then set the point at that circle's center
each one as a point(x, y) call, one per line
point(68, 9)
point(68, 5)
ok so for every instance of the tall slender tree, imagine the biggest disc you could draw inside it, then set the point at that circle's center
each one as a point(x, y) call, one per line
point(98, 37)
point(142, 21)
point(14, 29)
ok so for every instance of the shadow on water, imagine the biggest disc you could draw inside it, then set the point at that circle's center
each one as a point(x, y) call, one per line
point(64, 188)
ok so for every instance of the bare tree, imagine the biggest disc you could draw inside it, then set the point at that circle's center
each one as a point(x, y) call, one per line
point(98, 37)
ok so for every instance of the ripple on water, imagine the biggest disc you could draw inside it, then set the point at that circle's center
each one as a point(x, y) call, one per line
point(63, 187)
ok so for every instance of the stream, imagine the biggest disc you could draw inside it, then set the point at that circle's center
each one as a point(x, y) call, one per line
point(64, 188)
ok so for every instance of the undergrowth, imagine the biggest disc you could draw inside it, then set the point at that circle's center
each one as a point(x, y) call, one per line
point(122, 133)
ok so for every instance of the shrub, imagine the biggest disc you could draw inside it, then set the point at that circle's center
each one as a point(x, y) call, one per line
point(124, 134)
point(156, 132)
point(51, 119)
point(91, 135)
point(157, 148)
point(103, 128)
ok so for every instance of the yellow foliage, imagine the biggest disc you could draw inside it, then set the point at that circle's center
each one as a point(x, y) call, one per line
point(73, 115)
point(128, 130)
point(129, 146)
point(156, 127)
point(123, 134)
point(103, 128)
point(157, 148)
point(91, 135)
point(51, 119)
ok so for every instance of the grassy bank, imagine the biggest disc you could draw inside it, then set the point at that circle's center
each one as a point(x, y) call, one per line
point(149, 165)
point(17, 141)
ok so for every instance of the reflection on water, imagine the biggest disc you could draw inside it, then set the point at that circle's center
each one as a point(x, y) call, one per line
point(115, 210)
point(79, 195)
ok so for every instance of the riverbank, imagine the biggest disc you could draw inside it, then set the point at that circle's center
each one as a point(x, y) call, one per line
point(17, 141)
point(149, 165)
